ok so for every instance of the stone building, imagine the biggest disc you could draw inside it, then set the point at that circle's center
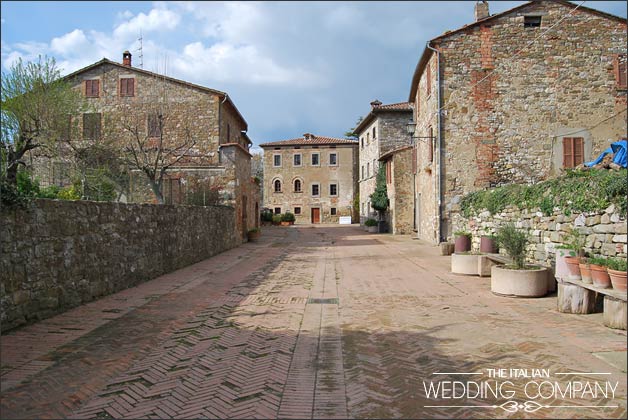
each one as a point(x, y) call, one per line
point(400, 174)
point(514, 97)
point(382, 130)
point(313, 177)
point(129, 104)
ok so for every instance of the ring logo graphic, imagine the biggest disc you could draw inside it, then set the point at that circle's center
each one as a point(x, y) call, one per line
point(527, 390)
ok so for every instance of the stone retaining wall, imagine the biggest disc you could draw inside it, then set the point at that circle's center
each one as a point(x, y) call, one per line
point(605, 230)
point(59, 254)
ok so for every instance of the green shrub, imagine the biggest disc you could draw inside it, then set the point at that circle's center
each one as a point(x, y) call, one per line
point(69, 193)
point(598, 261)
point(514, 242)
point(277, 218)
point(370, 222)
point(460, 233)
point(267, 216)
point(288, 217)
point(51, 192)
point(618, 264)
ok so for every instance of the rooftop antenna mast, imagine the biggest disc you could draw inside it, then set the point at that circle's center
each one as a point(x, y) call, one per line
point(140, 49)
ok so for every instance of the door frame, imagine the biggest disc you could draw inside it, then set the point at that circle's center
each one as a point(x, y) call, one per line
point(312, 215)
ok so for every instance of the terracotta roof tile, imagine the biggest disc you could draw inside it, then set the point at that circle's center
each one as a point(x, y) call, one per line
point(403, 106)
point(310, 139)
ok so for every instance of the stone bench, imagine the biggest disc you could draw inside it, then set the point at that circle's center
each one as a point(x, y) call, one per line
point(577, 297)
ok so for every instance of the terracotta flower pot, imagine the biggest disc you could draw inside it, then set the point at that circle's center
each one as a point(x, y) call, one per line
point(600, 277)
point(487, 245)
point(585, 273)
point(561, 271)
point(618, 279)
point(462, 244)
point(573, 268)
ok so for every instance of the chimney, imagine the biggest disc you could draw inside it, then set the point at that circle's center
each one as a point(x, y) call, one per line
point(375, 103)
point(126, 58)
point(481, 10)
point(308, 136)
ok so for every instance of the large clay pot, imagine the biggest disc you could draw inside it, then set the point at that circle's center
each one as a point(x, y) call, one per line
point(600, 277)
point(561, 272)
point(462, 244)
point(573, 268)
point(464, 264)
point(585, 273)
point(618, 279)
point(518, 283)
point(488, 245)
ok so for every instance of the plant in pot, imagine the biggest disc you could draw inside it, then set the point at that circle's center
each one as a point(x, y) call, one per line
point(585, 270)
point(372, 225)
point(254, 234)
point(276, 219)
point(599, 272)
point(617, 272)
point(568, 256)
point(517, 279)
point(488, 243)
point(287, 219)
point(379, 198)
point(462, 242)
point(267, 217)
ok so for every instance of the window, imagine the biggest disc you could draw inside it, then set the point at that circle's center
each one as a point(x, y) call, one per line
point(277, 210)
point(276, 160)
point(315, 159)
point(277, 185)
point(374, 133)
point(333, 211)
point(297, 159)
point(388, 171)
point(92, 88)
point(573, 151)
point(368, 138)
point(362, 140)
point(297, 185)
point(297, 210)
point(621, 76)
point(430, 144)
point(333, 159)
point(333, 189)
point(315, 190)
point(368, 169)
point(154, 125)
point(428, 80)
point(531, 21)
point(91, 126)
point(127, 86)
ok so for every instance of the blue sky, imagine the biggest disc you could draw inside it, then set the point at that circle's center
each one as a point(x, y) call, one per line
point(290, 67)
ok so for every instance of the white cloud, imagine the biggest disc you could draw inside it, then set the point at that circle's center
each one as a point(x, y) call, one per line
point(72, 43)
point(156, 19)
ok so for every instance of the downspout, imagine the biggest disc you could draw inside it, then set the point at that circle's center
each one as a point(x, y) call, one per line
point(439, 186)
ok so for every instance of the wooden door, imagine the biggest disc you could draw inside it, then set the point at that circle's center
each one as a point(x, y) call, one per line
point(316, 215)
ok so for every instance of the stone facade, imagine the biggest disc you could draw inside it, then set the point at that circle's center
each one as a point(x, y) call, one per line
point(300, 199)
point(59, 254)
point(509, 102)
point(217, 167)
point(399, 186)
point(382, 130)
point(605, 230)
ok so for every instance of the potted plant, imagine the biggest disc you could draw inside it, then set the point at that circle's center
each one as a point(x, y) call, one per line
point(573, 268)
point(462, 242)
point(254, 234)
point(599, 272)
point(287, 219)
point(276, 219)
point(517, 279)
point(267, 217)
point(573, 247)
point(617, 272)
point(372, 225)
point(585, 270)
point(379, 198)
point(488, 244)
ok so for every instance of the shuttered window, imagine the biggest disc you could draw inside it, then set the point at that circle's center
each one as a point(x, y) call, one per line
point(127, 86)
point(620, 71)
point(92, 88)
point(154, 126)
point(573, 151)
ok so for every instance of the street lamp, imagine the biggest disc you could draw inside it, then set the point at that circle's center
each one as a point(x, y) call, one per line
point(410, 127)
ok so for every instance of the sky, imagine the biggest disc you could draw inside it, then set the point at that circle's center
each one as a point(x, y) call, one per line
point(290, 67)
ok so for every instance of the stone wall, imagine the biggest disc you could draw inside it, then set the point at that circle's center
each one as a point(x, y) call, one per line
point(59, 254)
point(400, 192)
point(605, 230)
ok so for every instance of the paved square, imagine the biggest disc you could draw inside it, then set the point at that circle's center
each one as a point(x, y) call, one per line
point(309, 322)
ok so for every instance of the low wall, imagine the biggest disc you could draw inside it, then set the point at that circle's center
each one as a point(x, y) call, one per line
point(59, 254)
point(605, 231)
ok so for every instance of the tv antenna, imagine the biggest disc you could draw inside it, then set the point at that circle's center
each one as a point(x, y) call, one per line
point(140, 49)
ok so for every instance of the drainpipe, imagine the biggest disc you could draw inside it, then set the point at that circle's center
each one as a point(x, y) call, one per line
point(439, 186)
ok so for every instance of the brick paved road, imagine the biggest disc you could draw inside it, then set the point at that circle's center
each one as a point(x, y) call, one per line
point(325, 322)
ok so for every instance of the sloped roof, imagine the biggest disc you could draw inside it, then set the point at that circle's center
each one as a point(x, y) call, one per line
point(397, 107)
point(311, 140)
point(152, 74)
point(427, 53)
point(388, 154)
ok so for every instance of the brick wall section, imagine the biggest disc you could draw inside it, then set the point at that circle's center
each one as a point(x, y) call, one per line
point(401, 194)
point(509, 128)
point(59, 254)
point(605, 230)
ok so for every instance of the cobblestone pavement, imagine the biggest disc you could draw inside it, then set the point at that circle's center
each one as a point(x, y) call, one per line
point(322, 322)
